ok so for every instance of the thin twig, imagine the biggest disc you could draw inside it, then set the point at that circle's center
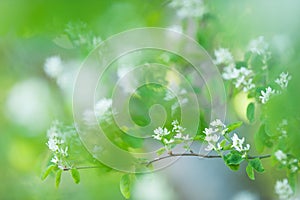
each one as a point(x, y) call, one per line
point(83, 167)
point(198, 155)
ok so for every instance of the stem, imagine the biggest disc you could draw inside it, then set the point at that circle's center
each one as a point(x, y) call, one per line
point(201, 156)
point(82, 167)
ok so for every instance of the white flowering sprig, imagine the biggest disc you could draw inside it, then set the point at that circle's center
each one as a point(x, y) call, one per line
point(170, 138)
point(283, 80)
point(284, 190)
point(59, 138)
point(102, 112)
point(57, 145)
point(266, 94)
point(241, 77)
point(189, 8)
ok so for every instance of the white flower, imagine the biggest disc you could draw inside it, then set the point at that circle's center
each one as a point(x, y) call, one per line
point(168, 141)
point(283, 80)
point(212, 138)
point(54, 160)
point(189, 8)
point(102, 106)
point(223, 56)
point(53, 66)
point(209, 131)
point(52, 144)
point(237, 143)
point(283, 190)
point(280, 156)
point(230, 72)
point(258, 46)
point(265, 95)
point(123, 70)
point(209, 147)
point(160, 132)
point(176, 127)
point(217, 123)
point(243, 80)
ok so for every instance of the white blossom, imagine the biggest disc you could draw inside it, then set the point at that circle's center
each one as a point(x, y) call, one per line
point(265, 95)
point(283, 80)
point(166, 141)
point(189, 8)
point(176, 127)
point(283, 190)
point(280, 156)
point(243, 79)
point(230, 72)
point(53, 66)
point(258, 46)
point(237, 143)
point(160, 132)
point(102, 106)
point(217, 123)
point(223, 56)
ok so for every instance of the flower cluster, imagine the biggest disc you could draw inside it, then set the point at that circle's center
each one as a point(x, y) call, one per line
point(265, 95)
point(259, 46)
point(238, 143)
point(283, 80)
point(284, 190)
point(80, 35)
point(290, 163)
point(172, 137)
point(102, 111)
point(189, 8)
point(57, 145)
point(212, 134)
point(241, 77)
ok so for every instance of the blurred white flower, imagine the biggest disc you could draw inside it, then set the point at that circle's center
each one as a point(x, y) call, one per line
point(123, 70)
point(258, 46)
point(265, 95)
point(217, 123)
point(280, 156)
point(28, 104)
point(230, 72)
point(53, 66)
point(189, 8)
point(283, 80)
point(283, 190)
point(160, 132)
point(102, 106)
point(223, 56)
point(237, 143)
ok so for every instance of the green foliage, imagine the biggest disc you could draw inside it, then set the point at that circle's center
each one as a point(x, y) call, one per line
point(58, 177)
point(257, 165)
point(262, 139)
point(233, 160)
point(251, 112)
point(75, 175)
point(233, 126)
point(48, 170)
point(250, 172)
point(126, 184)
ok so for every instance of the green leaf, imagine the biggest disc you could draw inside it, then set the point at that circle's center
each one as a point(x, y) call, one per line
point(234, 167)
point(251, 112)
point(233, 126)
point(250, 172)
point(58, 177)
point(161, 151)
point(75, 175)
point(46, 173)
point(261, 139)
point(233, 159)
point(126, 185)
point(223, 143)
point(293, 179)
point(257, 165)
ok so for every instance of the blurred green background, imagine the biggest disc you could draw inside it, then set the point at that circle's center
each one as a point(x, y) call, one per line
point(29, 101)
